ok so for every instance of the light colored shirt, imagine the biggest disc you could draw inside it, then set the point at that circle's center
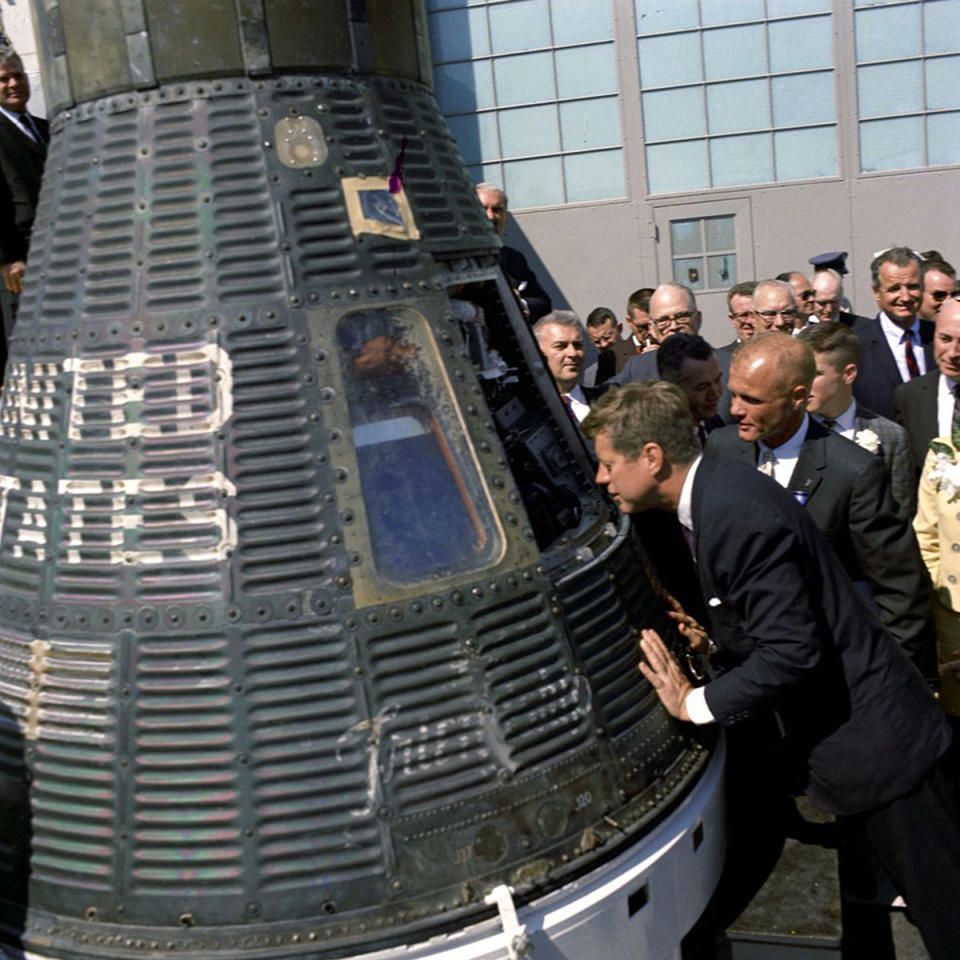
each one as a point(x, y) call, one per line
point(894, 335)
point(945, 403)
point(845, 422)
point(787, 454)
point(578, 403)
point(28, 130)
point(695, 701)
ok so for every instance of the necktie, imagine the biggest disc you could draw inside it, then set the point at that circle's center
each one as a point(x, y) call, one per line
point(911, 357)
point(766, 463)
point(955, 424)
point(829, 423)
point(33, 131)
point(568, 403)
point(701, 434)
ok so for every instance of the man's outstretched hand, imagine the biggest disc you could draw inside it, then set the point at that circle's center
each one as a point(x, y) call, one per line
point(664, 674)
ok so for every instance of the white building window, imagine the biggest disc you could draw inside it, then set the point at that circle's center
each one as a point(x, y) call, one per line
point(908, 83)
point(736, 92)
point(529, 90)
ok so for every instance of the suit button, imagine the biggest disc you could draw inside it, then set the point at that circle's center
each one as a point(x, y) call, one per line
point(955, 547)
point(952, 579)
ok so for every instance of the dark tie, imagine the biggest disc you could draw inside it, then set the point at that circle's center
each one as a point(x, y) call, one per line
point(829, 423)
point(701, 434)
point(912, 367)
point(33, 131)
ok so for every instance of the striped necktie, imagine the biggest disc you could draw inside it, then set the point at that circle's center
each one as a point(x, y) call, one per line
point(911, 357)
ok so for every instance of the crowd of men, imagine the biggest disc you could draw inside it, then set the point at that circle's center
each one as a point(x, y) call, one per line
point(803, 589)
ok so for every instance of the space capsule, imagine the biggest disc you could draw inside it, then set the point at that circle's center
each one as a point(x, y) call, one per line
point(316, 637)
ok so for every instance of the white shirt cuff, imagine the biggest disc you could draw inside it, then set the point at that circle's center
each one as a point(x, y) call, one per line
point(696, 704)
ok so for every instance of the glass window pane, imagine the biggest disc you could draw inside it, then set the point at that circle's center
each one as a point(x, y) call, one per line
point(719, 233)
point(587, 71)
point(730, 11)
point(808, 98)
point(889, 88)
point(486, 173)
point(427, 511)
point(744, 105)
point(476, 136)
point(458, 35)
point(941, 26)
point(524, 79)
point(655, 16)
point(891, 144)
point(674, 167)
point(668, 60)
point(800, 44)
point(529, 130)
point(521, 25)
point(689, 271)
point(943, 138)
point(746, 159)
point(671, 114)
point(943, 83)
point(590, 123)
point(685, 237)
point(787, 8)
point(534, 183)
point(887, 33)
point(577, 22)
point(734, 52)
point(722, 271)
point(804, 154)
point(594, 176)
point(462, 87)
point(448, 4)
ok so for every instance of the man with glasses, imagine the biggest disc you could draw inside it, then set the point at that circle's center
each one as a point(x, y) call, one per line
point(939, 282)
point(774, 307)
point(803, 297)
point(740, 312)
point(828, 298)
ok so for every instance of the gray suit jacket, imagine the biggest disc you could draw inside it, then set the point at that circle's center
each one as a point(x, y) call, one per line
point(896, 453)
point(847, 494)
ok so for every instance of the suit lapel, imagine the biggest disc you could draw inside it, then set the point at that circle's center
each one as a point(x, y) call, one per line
point(811, 463)
point(882, 354)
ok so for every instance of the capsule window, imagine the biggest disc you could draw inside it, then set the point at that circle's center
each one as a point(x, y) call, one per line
point(428, 512)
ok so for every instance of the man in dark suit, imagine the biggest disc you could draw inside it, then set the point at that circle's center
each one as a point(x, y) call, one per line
point(860, 732)
point(740, 312)
point(845, 490)
point(895, 346)
point(828, 298)
point(613, 351)
point(560, 338)
point(534, 300)
point(23, 150)
point(688, 361)
point(927, 407)
point(836, 352)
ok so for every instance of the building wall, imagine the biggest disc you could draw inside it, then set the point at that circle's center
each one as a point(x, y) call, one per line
point(862, 97)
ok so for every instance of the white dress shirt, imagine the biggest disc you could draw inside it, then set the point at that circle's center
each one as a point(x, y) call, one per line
point(945, 404)
point(787, 454)
point(578, 402)
point(894, 335)
point(30, 131)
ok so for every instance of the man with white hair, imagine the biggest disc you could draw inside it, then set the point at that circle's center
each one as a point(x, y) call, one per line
point(533, 299)
point(828, 298)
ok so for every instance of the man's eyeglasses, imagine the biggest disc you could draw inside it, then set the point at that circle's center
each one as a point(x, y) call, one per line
point(678, 319)
point(806, 294)
point(742, 317)
point(773, 314)
point(826, 303)
point(940, 295)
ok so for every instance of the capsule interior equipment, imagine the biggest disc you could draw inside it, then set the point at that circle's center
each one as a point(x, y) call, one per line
point(313, 625)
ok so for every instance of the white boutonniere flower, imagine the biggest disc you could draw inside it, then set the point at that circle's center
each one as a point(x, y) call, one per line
point(868, 440)
point(945, 470)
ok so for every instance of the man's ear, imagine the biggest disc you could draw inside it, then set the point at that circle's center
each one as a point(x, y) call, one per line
point(800, 395)
point(652, 457)
point(850, 373)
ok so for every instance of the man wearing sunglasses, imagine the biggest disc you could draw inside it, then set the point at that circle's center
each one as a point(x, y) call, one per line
point(939, 282)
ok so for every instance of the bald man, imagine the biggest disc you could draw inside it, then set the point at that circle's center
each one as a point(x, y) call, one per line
point(845, 489)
